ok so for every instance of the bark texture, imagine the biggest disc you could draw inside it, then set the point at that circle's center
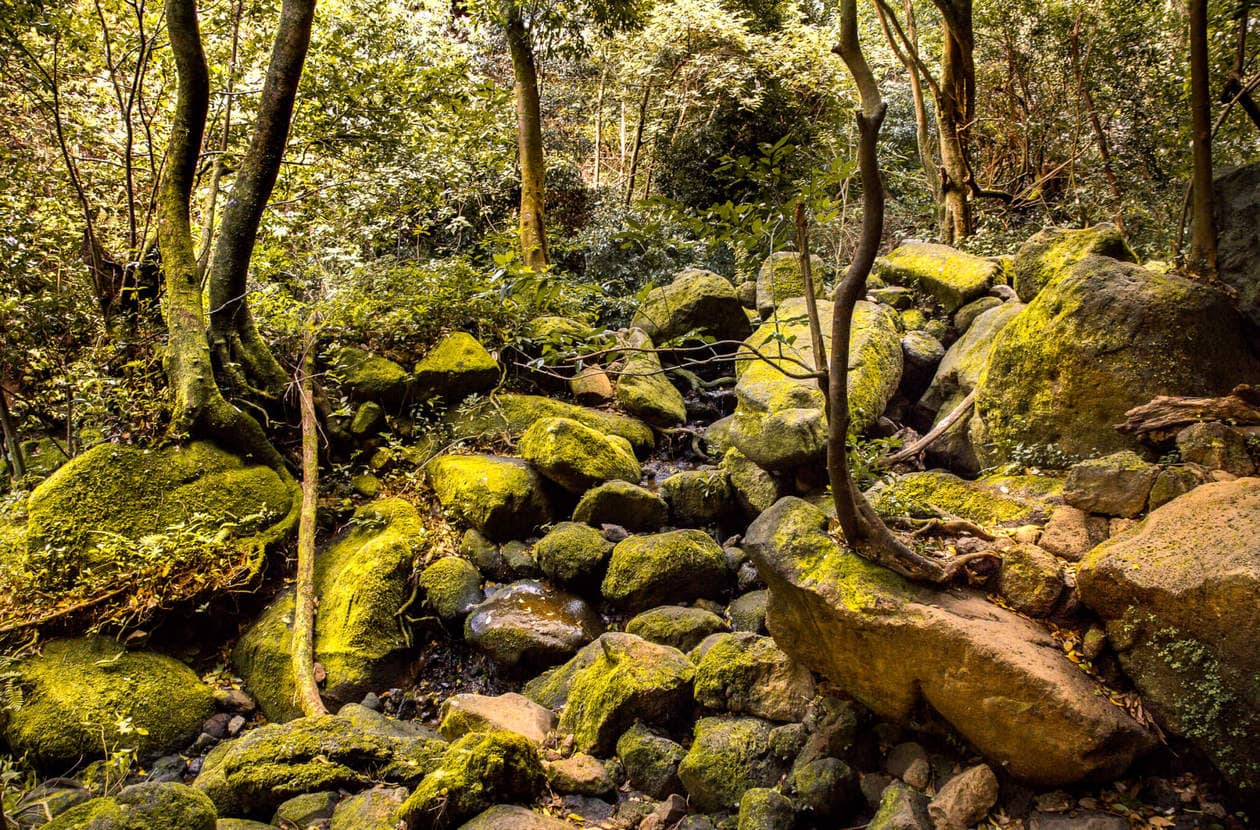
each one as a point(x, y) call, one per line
point(529, 143)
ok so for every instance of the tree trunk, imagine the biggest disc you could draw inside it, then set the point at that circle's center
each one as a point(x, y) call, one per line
point(599, 126)
point(636, 146)
point(12, 443)
point(955, 110)
point(233, 333)
point(922, 125)
point(303, 648)
point(1202, 259)
point(529, 143)
point(1080, 67)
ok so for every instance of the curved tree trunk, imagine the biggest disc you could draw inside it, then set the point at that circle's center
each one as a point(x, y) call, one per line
point(234, 336)
point(529, 143)
point(956, 109)
point(1202, 258)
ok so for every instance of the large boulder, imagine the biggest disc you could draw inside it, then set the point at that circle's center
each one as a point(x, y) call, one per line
point(501, 497)
point(1002, 682)
point(728, 756)
point(141, 807)
point(1052, 251)
point(1099, 339)
point(369, 377)
point(1179, 595)
point(924, 494)
point(510, 414)
point(573, 554)
point(87, 696)
point(696, 301)
point(457, 366)
point(529, 623)
point(577, 457)
point(779, 421)
point(664, 568)
point(780, 279)
point(362, 579)
point(1236, 201)
point(747, 673)
point(642, 388)
point(952, 277)
point(676, 626)
point(621, 503)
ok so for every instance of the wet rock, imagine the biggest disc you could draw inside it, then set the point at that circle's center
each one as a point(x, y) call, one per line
point(762, 808)
point(501, 497)
point(1117, 485)
point(46, 801)
point(779, 279)
point(573, 555)
point(746, 673)
point(579, 775)
point(621, 503)
point(451, 586)
point(528, 623)
point(508, 712)
point(372, 809)
point(952, 277)
point(456, 367)
point(1030, 579)
point(577, 457)
point(1216, 446)
point(729, 755)
point(964, 799)
point(1071, 532)
point(1050, 252)
point(651, 761)
point(676, 626)
point(665, 568)
point(696, 301)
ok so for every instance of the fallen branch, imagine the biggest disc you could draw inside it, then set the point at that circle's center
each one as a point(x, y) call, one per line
point(1168, 414)
point(936, 432)
point(303, 651)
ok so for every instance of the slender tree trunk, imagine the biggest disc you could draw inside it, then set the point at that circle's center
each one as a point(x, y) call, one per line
point(303, 653)
point(922, 125)
point(811, 302)
point(220, 164)
point(1080, 68)
point(529, 143)
point(12, 443)
point(954, 113)
point(599, 126)
point(1202, 259)
point(636, 146)
point(233, 333)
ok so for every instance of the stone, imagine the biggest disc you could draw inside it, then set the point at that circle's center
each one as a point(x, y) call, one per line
point(761, 808)
point(919, 494)
point(643, 390)
point(1050, 252)
point(676, 626)
point(696, 301)
point(1030, 580)
point(84, 696)
point(451, 586)
point(510, 712)
point(509, 414)
point(666, 815)
point(728, 755)
point(900, 808)
point(965, 316)
point(1071, 532)
point(577, 457)
point(628, 679)
point(921, 353)
point(964, 799)
point(509, 817)
point(664, 569)
point(246, 824)
point(1216, 446)
point(579, 775)
point(1078, 820)
point(1100, 339)
point(362, 578)
point(904, 650)
point(501, 497)
point(746, 673)
point(368, 420)
point(478, 770)
point(46, 801)
point(748, 612)
point(897, 296)
point(573, 555)
point(651, 761)
point(754, 488)
point(306, 809)
point(369, 377)
point(635, 508)
point(779, 279)
point(592, 387)
point(697, 497)
point(1116, 485)
point(747, 291)
point(826, 787)
point(952, 277)
point(1178, 595)
point(1237, 213)
point(456, 367)
point(1173, 482)
point(909, 762)
point(141, 807)
point(372, 809)
point(531, 624)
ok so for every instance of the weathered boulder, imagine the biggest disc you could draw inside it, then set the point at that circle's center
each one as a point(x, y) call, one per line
point(306, 809)
point(1216, 446)
point(1052, 251)
point(141, 807)
point(729, 755)
point(919, 494)
point(457, 366)
point(577, 457)
point(762, 808)
point(372, 809)
point(501, 497)
point(643, 390)
point(511, 817)
point(1030, 579)
point(511, 414)
point(573, 554)
point(451, 586)
point(746, 673)
point(676, 626)
point(369, 377)
point(697, 497)
point(901, 808)
point(665, 568)
point(952, 277)
point(779, 279)
point(529, 623)
point(964, 799)
point(621, 503)
point(779, 421)
point(651, 761)
point(1001, 681)
point(965, 316)
point(1071, 532)
point(510, 712)
point(824, 786)
point(362, 579)
point(754, 489)
point(1178, 594)
point(748, 612)
point(921, 353)
point(579, 774)
point(1115, 485)
point(1237, 208)
point(87, 695)
point(1103, 337)
point(696, 301)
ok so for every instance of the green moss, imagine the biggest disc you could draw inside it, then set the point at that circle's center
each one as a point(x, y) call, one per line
point(501, 497)
point(621, 503)
point(451, 586)
point(643, 390)
point(575, 456)
point(368, 377)
point(141, 807)
point(954, 278)
point(512, 414)
point(697, 497)
point(728, 756)
point(916, 494)
point(695, 300)
point(681, 565)
point(572, 554)
point(1052, 251)
point(1034, 486)
point(457, 366)
point(780, 279)
point(651, 761)
point(676, 626)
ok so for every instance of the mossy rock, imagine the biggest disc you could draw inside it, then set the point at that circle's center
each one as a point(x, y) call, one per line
point(456, 367)
point(306, 809)
point(372, 809)
point(965, 316)
point(952, 277)
point(651, 761)
point(1031, 580)
point(624, 504)
point(918, 494)
point(141, 807)
point(643, 390)
point(728, 756)
point(83, 518)
point(85, 696)
point(362, 579)
point(573, 554)
point(577, 457)
point(676, 626)
point(761, 808)
point(511, 414)
point(531, 624)
point(501, 497)
point(1102, 338)
point(698, 497)
point(746, 673)
point(451, 587)
point(695, 301)
point(246, 824)
point(665, 568)
point(369, 377)
point(1115, 485)
point(779, 279)
point(477, 771)
point(754, 489)
point(512, 817)
point(1052, 251)
point(551, 688)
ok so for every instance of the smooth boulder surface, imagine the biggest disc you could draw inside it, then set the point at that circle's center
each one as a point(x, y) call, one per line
point(621, 503)
point(530, 623)
point(1179, 595)
point(1001, 681)
point(1115, 485)
point(676, 626)
point(501, 497)
point(1052, 251)
point(952, 277)
point(696, 301)
point(577, 457)
point(511, 712)
point(665, 568)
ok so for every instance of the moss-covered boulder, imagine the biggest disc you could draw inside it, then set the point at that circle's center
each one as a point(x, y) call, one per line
point(141, 807)
point(477, 771)
point(665, 568)
point(369, 377)
point(501, 497)
point(779, 279)
point(451, 586)
point(952, 277)
point(651, 761)
point(83, 697)
point(754, 489)
point(745, 673)
point(965, 316)
point(530, 624)
point(643, 390)
point(510, 414)
point(676, 626)
point(1031, 580)
point(1115, 485)
point(577, 457)
point(624, 504)
point(1052, 251)
point(1103, 337)
point(117, 512)
point(362, 579)
point(762, 808)
point(573, 554)
point(625, 679)
point(926, 494)
point(698, 497)
point(729, 755)
point(1178, 594)
point(696, 301)
point(372, 809)
point(1217, 446)
point(901, 807)
point(904, 650)
point(457, 366)
point(510, 712)
point(779, 420)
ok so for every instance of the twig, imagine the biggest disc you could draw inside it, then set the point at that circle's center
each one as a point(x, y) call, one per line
point(936, 432)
